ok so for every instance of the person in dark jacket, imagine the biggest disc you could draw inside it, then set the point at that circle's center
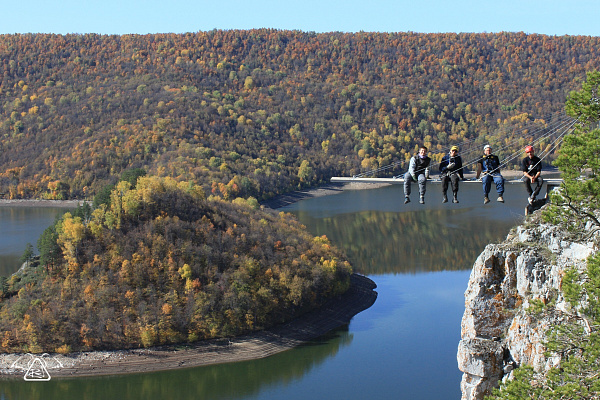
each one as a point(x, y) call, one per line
point(489, 166)
point(532, 169)
point(451, 171)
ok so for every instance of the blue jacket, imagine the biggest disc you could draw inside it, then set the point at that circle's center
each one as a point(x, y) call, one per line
point(490, 164)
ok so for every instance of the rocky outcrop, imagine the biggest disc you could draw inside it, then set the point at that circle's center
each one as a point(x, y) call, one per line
point(497, 332)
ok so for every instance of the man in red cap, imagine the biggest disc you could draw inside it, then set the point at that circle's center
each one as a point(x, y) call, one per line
point(532, 169)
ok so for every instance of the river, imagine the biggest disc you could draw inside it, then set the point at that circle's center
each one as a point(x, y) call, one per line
point(403, 347)
point(22, 225)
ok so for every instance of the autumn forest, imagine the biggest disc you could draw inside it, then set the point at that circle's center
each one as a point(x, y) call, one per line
point(262, 112)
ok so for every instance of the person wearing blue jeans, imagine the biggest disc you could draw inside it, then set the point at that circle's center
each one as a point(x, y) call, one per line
point(489, 166)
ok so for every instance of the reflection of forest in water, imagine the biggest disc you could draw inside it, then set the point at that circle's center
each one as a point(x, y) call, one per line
point(22, 225)
point(419, 241)
point(223, 381)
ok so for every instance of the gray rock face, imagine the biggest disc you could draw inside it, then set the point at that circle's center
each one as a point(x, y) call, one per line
point(481, 361)
point(497, 334)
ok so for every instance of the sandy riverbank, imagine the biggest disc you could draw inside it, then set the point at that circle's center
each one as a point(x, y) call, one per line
point(324, 190)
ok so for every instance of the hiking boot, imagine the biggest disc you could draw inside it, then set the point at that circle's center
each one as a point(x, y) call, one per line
point(486, 200)
point(422, 200)
point(444, 199)
point(406, 200)
point(455, 199)
point(500, 199)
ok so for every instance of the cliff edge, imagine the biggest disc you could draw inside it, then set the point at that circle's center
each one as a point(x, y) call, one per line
point(497, 333)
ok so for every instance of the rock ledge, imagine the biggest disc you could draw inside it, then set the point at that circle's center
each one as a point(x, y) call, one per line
point(497, 334)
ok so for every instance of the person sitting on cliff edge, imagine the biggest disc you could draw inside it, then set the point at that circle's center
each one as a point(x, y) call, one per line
point(489, 165)
point(418, 171)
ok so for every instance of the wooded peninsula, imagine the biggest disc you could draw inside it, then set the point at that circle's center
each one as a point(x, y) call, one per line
point(160, 264)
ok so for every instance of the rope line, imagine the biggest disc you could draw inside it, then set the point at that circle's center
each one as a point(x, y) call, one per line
point(554, 124)
point(518, 152)
point(561, 118)
point(562, 122)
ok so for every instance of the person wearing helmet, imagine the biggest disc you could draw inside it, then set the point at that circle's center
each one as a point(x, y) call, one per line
point(489, 166)
point(451, 171)
point(418, 171)
point(532, 169)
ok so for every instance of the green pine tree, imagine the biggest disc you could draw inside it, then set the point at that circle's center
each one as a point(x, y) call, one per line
point(27, 254)
point(48, 246)
point(578, 201)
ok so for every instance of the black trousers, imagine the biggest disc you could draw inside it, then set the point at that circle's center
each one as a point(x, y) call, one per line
point(453, 179)
point(538, 186)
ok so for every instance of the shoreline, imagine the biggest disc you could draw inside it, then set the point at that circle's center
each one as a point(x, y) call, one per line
point(327, 189)
point(335, 313)
point(41, 203)
point(275, 203)
point(279, 201)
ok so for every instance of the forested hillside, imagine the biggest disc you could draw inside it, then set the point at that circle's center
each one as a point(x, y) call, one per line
point(261, 112)
point(161, 264)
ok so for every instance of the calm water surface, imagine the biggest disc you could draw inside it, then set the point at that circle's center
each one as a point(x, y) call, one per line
point(19, 226)
point(403, 347)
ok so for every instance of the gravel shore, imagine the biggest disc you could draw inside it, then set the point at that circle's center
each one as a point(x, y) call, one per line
point(324, 190)
point(41, 203)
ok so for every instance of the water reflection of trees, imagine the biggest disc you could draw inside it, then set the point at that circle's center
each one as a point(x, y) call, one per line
point(22, 225)
point(419, 241)
point(9, 264)
point(225, 381)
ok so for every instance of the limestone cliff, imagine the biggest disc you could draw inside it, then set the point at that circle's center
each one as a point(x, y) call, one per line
point(497, 333)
